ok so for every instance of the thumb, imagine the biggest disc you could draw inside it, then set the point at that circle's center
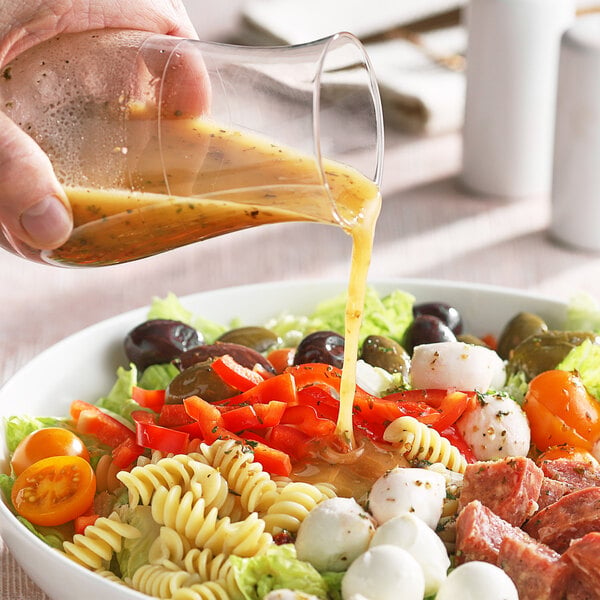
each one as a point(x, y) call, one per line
point(33, 206)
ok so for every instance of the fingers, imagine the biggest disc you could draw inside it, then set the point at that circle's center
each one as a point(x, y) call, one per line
point(33, 205)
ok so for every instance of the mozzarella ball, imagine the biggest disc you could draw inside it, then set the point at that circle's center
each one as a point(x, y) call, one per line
point(421, 542)
point(407, 490)
point(333, 534)
point(456, 365)
point(285, 594)
point(374, 380)
point(476, 580)
point(497, 428)
point(384, 573)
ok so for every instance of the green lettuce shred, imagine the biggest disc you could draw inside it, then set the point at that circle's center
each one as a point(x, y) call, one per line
point(134, 552)
point(157, 377)
point(516, 387)
point(585, 359)
point(583, 313)
point(119, 402)
point(171, 307)
point(278, 568)
point(18, 427)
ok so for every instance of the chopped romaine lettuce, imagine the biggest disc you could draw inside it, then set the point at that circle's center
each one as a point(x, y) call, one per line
point(585, 359)
point(583, 313)
point(158, 377)
point(277, 568)
point(134, 552)
point(516, 387)
point(18, 427)
point(6, 484)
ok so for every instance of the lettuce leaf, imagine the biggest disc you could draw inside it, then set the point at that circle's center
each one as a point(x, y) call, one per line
point(277, 568)
point(171, 307)
point(18, 427)
point(158, 377)
point(583, 313)
point(119, 401)
point(585, 359)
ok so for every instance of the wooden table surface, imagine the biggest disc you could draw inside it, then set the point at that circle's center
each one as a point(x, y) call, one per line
point(429, 228)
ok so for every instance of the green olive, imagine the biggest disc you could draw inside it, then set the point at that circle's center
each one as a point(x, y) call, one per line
point(519, 328)
point(544, 351)
point(198, 380)
point(468, 338)
point(380, 351)
point(257, 338)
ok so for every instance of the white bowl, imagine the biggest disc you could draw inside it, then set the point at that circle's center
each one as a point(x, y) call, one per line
point(83, 367)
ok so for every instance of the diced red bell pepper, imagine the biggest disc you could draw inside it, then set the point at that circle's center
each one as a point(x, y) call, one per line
point(152, 399)
point(322, 401)
point(281, 358)
point(458, 441)
point(174, 415)
point(273, 461)
point(127, 452)
point(81, 522)
point(91, 420)
point(253, 416)
point(235, 375)
point(306, 419)
point(153, 436)
point(290, 440)
point(281, 388)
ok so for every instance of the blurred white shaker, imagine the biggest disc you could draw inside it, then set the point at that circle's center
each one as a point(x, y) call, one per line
point(576, 185)
point(512, 65)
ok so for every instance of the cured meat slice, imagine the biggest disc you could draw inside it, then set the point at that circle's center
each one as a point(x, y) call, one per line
point(577, 473)
point(536, 570)
point(551, 491)
point(569, 518)
point(583, 555)
point(480, 533)
point(578, 590)
point(509, 487)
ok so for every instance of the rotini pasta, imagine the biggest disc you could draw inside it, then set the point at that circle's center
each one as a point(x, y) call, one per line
point(161, 581)
point(295, 501)
point(420, 442)
point(210, 590)
point(169, 545)
point(257, 491)
point(95, 547)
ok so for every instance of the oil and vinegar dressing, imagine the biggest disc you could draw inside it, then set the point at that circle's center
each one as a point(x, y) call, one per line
point(198, 180)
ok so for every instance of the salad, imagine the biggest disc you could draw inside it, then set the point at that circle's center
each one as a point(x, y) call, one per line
point(211, 468)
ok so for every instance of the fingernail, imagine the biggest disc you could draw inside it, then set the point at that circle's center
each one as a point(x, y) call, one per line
point(48, 222)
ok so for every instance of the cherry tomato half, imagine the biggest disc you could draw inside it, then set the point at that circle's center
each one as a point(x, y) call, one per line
point(43, 443)
point(561, 411)
point(54, 490)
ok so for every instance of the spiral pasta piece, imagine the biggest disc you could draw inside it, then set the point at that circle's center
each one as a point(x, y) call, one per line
point(161, 581)
point(209, 590)
point(256, 490)
point(95, 547)
point(213, 567)
point(295, 501)
point(419, 442)
point(142, 481)
point(169, 545)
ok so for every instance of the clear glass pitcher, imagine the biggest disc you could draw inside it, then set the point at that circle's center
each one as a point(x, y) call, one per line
point(160, 141)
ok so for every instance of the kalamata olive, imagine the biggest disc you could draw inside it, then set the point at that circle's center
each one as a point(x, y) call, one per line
point(384, 352)
point(321, 347)
point(242, 354)
point(159, 341)
point(519, 328)
point(198, 380)
point(543, 351)
point(257, 338)
point(427, 329)
point(444, 312)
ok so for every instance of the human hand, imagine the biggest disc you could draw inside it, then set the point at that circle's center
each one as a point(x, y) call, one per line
point(33, 205)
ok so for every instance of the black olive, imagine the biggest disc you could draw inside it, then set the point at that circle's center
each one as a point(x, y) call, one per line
point(321, 347)
point(159, 341)
point(258, 338)
point(519, 328)
point(242, 354)
point(444, 312)
point(427, 329)
point(198, 380)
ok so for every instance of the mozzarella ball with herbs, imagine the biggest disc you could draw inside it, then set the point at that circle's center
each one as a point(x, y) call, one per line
point(456, 365)
point(408, 490)
point(384, 572)
point(476, 580)
point(333, 534)
point(496, 428)
point(412, 534)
